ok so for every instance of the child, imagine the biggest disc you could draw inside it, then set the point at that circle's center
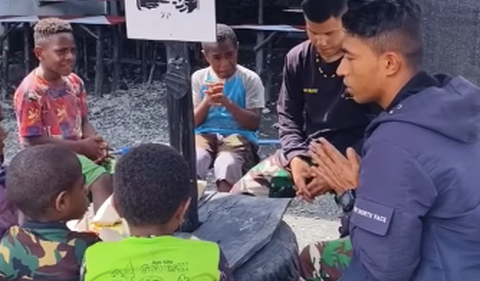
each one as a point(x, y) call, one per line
point(46, 184)
point(151, 192)
point(228, 99)
point(50, 105)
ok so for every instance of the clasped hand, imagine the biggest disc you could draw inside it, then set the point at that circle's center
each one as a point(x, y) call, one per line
point(307, 183)
point(330, 172)
point(214, 94)
point(95, 148)
point(339, 172)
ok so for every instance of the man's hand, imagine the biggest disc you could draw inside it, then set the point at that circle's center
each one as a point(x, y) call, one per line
point(95, 148)
point(318, 186)
point(301, 173)
point(340, 172)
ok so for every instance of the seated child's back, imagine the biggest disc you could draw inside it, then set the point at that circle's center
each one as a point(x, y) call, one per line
point(46, 184)
point(151, 192)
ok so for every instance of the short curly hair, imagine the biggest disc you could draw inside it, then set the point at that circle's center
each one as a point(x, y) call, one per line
point(224, 33)
point(38, 174)
point(150, 183)
point(48, 27)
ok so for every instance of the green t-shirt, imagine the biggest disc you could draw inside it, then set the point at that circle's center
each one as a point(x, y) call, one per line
point(164, 258)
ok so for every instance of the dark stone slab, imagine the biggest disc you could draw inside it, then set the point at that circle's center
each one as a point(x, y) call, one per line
point(241, 225)
point(277, 261)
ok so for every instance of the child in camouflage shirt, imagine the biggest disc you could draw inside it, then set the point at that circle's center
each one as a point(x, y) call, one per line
point(46, 184)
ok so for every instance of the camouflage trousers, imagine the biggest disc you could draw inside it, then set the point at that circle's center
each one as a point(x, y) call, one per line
point(325, 261)
point(269, 178)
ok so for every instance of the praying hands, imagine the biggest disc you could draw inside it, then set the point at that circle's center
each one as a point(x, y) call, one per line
point(340, 173)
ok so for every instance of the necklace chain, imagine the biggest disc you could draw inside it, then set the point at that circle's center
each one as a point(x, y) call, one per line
point(320, 69)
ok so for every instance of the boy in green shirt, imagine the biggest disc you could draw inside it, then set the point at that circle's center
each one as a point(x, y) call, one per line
point(151, 192)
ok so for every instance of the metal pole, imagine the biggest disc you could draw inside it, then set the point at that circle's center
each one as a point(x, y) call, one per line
point(259, 56)
point(180, 120)
point(5, 57)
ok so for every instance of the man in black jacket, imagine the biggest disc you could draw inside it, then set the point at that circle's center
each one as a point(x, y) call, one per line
point(312, 104)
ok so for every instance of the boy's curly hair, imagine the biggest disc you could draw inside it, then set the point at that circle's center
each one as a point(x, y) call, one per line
point(150, 183)
point(37, 175)
point(48, 27)
point(224, 33)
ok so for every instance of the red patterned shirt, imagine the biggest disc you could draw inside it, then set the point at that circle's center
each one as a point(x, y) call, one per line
point(49, 110)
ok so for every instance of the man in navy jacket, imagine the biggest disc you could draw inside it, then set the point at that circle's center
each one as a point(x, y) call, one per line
point(414, 200)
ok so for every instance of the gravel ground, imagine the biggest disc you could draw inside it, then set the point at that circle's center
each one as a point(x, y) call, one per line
point(138, 115)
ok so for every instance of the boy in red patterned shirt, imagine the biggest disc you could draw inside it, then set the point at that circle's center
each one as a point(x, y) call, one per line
point(50, 106)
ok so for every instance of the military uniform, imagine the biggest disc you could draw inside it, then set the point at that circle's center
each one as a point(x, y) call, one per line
point(43, 251)
point(325, 261)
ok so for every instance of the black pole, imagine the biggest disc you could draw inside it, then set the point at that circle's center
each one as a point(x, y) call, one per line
point(180, 119)
point(5, 58)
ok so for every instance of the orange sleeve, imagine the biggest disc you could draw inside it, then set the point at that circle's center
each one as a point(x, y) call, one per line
point(28, 111)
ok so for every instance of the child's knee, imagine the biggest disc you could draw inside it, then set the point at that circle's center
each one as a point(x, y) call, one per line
point(228, 166)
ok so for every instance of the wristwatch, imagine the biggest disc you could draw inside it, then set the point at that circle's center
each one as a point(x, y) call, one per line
point(346, 200)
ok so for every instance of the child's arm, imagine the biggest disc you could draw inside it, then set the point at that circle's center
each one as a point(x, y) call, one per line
point(250, 117)
point(87, 128)
point(200, 105)
point(17, 262)
point(225, 272)
point(7, 272)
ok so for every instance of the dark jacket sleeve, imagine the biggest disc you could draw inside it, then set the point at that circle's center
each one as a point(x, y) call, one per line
point(290, 109)
point(386, 226)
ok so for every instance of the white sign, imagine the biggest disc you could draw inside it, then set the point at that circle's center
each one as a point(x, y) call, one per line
point(171, 20)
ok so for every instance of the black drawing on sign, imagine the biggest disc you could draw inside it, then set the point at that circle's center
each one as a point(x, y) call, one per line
point(165, 15)
point(183, 6)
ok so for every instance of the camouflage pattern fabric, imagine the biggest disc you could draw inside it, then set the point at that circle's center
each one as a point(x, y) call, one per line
point(325, 261)
point(271, 177)
point(43, 251)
